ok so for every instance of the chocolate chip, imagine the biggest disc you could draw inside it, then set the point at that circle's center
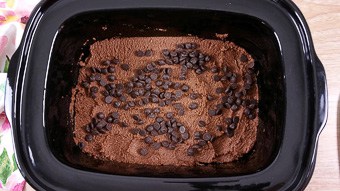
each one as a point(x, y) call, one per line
point(88, 138)
point(193, 105)
point(139, 53)
point(219, 90)
point(229, 132)
point(165, 144)
point(148, 140)
point(193, 96)
point(115, 115)
point(117, 104)
point(214, 69)
point(232, 126)
point(123, 124)
point(202, 123)
point(207, 136)
point(247, 111)
point(211, 112)
point(185, 88)
point(202, 143)
point(106, 62)
point(101, 124)
point(182, 129)
point(243, 58)
point(236, 119)
point(109, 120)
point(136, 117)
point(142, 132)
point(149, 128)
point(228, 120)
point(111, 78)
point(115, 61)
point(217, 78)
point(100, 115)
point(94, 89)
point(191, 151)
point(178, 93)
point(134, 131)
point(169, 115)
point(81, 145)
point(85, 84)
point(143, 151)
point(210, 97)
point(156, 145)
point(125, 67)
point(148, 53)
point(181, 112)
point(111, 69)
point(166, 52)
point(234, 107)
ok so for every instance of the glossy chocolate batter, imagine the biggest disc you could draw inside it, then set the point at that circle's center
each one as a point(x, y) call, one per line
point(209, 111)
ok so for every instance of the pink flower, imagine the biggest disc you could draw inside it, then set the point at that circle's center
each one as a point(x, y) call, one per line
point(15, 182)
point(5, 125)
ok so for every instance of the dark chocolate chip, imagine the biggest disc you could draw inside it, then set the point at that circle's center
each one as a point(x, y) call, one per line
point(243, 58)
point(139, 53)
point(156, 145)
point(125, 67)
point(148, 140)
point(193, 105)
point(191, 151)
point(117, 104)
point(219, 90)
point(101, 124)
point(142, 132)
point(85, 84)
point(193, 96)
point(232, 126)
point(169, 115)
point(202, 123)
point(185, 136)
point(106, 62)
point(149, 128)
point(100, 115)
point(185, 88)
point(207, 136)
point(123, 124)
point(135, 131)
point(217, 78)
point(202, 143)
point(182, 129)
point(165, 144)
point(111, 69)
point(210, 97)
point(236, 119)
point(94, 89)
point(212, 112)
point(81, 145)
point(111, 78)
point(148, 53)
point(88, 138)
point(143, 151)
point(109, 120)
point(115, 115)
point(234, 107)
point(214, 69)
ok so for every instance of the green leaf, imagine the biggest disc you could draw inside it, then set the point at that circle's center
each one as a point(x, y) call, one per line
point(6, 64)
point(15, 166)
point(5, 166)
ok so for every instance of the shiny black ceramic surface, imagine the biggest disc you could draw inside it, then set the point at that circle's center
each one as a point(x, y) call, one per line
point(292, 85)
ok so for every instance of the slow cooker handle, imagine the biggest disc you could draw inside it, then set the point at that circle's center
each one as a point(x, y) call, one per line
point(10, 88)
point(322, 94)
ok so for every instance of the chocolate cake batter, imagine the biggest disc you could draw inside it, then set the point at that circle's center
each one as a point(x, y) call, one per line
point(176, 101)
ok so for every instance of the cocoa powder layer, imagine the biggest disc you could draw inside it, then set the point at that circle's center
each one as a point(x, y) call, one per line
point(120, 145)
